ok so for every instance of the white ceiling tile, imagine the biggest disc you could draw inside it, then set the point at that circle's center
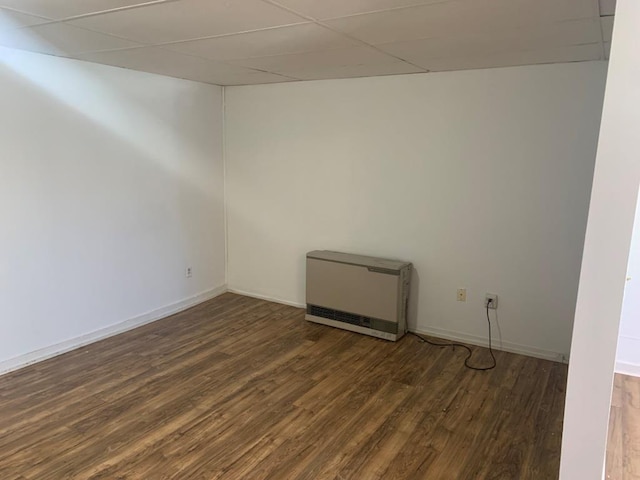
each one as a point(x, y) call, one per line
point(460, 17)
point(351, 71)
point(307, 37)
point(10, 19)
point(236, 42)
point(526, 12)
point(574, 32)
point(607, 28)
point(572, 53)
point(250, 77)
point(321, 10)
point(153, 59)
point(173, 64)
point(397, 25)
point(60, 39)
point(59, 9)
point(607, 7)
point(329, 59)
point(189, 19)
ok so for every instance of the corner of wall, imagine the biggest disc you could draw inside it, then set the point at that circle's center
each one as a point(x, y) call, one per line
point(224, 179)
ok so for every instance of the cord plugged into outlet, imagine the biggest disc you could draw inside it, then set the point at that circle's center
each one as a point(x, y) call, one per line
point(491, 301)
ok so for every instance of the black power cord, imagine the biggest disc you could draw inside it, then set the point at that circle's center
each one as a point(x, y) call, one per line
point(469, 352)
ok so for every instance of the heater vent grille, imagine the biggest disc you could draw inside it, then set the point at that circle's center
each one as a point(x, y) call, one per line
point(353, 319)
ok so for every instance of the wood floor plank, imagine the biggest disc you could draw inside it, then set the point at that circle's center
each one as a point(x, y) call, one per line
point(623, 447)
point(240, 388)
point(631, 421)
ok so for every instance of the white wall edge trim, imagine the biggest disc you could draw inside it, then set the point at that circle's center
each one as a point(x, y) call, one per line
point(628, 369)
point(121, 327)
point(267, 297)
point(224, 185)
point(503, 346)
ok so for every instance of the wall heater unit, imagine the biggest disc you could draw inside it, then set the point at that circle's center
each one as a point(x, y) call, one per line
point(362, 294)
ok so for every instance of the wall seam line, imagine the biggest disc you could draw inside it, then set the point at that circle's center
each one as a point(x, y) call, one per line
point(224, 185)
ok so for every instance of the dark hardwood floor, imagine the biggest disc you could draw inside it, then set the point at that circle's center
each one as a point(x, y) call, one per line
point(239, 388)
point(623, 447)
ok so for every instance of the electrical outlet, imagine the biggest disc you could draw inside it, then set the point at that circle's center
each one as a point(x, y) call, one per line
point(491, 300)
point(462, 295)
point(188, 273)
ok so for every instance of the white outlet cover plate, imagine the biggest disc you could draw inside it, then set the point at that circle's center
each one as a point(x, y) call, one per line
point(494, 298)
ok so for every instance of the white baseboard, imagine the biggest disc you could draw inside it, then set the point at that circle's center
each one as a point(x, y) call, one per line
point(445, 334)
point(484, 342)
point(77, 342)
point(628, 359)
point(628, 369)
point(267, 298)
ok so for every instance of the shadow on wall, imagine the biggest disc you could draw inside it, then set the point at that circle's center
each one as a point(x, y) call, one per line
point(80, 87)
point(104, 204)
point(124, 150)
point(414, 300)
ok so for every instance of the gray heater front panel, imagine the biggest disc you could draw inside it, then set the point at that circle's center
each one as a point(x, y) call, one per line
point(358, 293)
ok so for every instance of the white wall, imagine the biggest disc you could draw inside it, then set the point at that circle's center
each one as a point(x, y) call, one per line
point(628, 355)
point(481, 178)
point(111, 183)
point(606, 252)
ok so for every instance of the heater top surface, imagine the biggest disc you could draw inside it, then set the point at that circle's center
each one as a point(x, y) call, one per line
point(360, 260)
